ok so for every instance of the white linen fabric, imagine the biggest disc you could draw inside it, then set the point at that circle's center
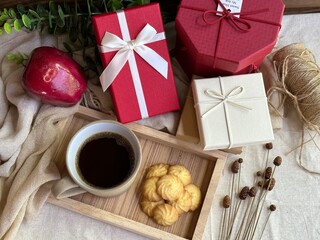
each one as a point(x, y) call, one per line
point(296, 193)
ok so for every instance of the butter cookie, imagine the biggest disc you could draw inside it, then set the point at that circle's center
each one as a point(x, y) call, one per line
point(149, 189)
point(165, 214)
point(183, 203)
point(169, 187)
point(195, 196)
point(157, 170)
point(181, 172)
point(148, 206)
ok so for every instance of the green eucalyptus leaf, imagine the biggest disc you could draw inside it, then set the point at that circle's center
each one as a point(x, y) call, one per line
point(42, 11)
point(50, 20)
point(19, 58)
point(12, 13)
point(17, 25)
point(61, 15)
point(11, 56)
point(4, 18)
point(59, 30)
point(26, 21)
point(60, 23)
point(68, 17)
point(115, 5)
point(144, 2)
point(68, 48)
point(137, 2)
point(53, 8)
point(7, 28)
point(34, 13)
point(21, 9)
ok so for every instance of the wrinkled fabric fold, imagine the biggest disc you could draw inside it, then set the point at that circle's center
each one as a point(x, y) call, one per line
point(29, 137)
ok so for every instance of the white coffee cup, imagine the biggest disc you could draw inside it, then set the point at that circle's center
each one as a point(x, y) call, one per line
point(89, 132)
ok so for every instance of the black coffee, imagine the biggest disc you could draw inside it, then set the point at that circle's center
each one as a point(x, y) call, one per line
point(106, 160)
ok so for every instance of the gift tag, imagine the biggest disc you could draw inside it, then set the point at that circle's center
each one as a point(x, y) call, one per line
point(233, 5)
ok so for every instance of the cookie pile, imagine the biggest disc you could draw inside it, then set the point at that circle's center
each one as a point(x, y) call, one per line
point(167, 192)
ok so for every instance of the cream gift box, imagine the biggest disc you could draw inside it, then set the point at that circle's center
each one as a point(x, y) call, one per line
point(232, 111)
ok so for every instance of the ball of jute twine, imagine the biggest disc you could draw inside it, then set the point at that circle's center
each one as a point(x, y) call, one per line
point(299, 82)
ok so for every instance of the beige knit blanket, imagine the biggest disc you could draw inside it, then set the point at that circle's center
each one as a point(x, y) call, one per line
point(29, 135)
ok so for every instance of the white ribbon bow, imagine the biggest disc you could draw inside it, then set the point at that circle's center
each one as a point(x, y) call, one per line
point(229, 98)
point(223, 98)
point(111, 42)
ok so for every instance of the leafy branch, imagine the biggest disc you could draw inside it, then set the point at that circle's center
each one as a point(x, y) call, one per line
point(19, 58)
point(73, 19)
point(60, 18)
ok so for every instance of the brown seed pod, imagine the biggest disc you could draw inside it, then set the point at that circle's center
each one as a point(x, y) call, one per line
point(269, 145)
point(272, 207)
point(268, 173)
point(226, 201)
point(240, 160)
point(260, 183)
point(244, 193)
point(252, 191)
point(259, 174)
point(270, 183)
point(235, 167)
point(277, 161)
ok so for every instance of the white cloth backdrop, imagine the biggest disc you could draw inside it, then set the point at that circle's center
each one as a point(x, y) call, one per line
point(296, 194)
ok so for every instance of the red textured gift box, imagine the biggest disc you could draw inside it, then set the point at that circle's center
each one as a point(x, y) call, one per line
point(137, 88)
point(230, 43)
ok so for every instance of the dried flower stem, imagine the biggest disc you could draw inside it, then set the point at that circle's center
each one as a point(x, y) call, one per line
point(221, 231)
point(234, 169)
point(240, 161)
point(245, 226)
point(253, 217)
point(244, 219)
point(272, 209)
point(268, 146)
point(226, 205)
point(261, 203)
point(256, 214)
point(233, 219)
point(252, 194)
point(232, 207)
point(242, 196)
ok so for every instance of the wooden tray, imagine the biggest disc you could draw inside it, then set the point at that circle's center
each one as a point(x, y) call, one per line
point(124, 211)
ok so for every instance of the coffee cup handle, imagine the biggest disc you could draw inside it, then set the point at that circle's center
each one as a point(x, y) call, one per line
point(65, 188)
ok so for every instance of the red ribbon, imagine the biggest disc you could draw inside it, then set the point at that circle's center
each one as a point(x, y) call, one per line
point(240, 23)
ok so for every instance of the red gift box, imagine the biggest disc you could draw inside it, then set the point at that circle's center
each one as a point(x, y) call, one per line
point(135, 55)
point(212, 42)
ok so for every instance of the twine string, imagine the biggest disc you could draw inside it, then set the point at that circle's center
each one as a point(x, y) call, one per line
point(299, 82)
